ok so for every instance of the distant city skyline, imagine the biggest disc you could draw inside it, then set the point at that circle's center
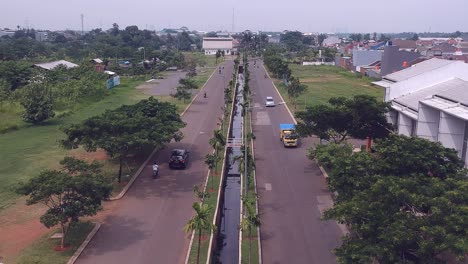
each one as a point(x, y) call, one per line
point(364, 16)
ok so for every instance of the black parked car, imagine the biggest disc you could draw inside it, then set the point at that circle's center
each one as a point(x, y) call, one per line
point(179, 159)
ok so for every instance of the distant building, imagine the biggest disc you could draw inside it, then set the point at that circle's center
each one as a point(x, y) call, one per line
point(7, 32)
point(394, 59)
point(99, 65)
point(212, 44)
point(42, 36)
point(53, 64)
point(365, 57)
point(331, 41)
point(405, 44)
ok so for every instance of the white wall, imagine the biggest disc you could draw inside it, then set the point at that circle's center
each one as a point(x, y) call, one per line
point(405, 125)
point(428, 122)
point(451, 132)
point(213, 52)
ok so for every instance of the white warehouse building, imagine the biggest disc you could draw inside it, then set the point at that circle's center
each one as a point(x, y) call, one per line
point(212, 44)
point(430, 100)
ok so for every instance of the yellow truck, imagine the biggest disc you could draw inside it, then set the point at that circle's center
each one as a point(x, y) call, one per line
point(288, 135)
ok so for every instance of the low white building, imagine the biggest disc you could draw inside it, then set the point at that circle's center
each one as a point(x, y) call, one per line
point(430, 100)
point(53, 64)
point(212, 44)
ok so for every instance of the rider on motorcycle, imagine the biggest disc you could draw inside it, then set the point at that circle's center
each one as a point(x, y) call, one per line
point(155, 169)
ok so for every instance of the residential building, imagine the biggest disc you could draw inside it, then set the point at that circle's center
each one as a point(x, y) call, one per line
point(405, 44)
point(394, 59)
point(42, 35)
point(212, 44)
point(99, 65)
point(430, 100)
point(365, 57)
point(331, 41)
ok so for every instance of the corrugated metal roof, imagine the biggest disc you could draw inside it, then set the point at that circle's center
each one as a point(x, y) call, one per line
point(445, 89)
point(383, 83)
point(418, 69)
point(457, 93)
point(51, 65)
point(448, 107)
point(406, 111)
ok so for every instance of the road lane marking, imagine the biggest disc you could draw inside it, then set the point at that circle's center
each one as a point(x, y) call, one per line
point(268, 186)
point(262, 118)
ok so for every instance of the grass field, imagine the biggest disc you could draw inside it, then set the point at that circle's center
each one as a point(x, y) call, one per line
point(325, 82)
point(42, 251)
point(31, 149)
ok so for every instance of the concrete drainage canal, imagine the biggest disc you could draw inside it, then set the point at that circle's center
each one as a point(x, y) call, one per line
point(227, 242)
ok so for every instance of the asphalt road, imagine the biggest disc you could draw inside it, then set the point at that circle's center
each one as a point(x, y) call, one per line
point(147, 224)
point(292, 190)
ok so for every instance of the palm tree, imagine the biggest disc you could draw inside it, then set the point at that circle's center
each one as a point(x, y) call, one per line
point(212, 161)
point(218, 140)
point(199, 222)
point(251, 220)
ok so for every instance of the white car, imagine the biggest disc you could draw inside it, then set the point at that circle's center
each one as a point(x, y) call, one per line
point(269, 101)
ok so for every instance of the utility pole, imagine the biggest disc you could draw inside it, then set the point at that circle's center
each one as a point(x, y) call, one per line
point(82, 24)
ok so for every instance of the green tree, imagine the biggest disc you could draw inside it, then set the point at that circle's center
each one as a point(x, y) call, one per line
point(356, 37)
point(384, 37)
point(415, 37)
point(5, 92)
point(293, 40)
point(361, 117)
point(38, 103)
point(321, 38)
point(217, 141)
point(199, 222)
point(212, 161)
point(16, 74)
point(367, 36)
point(405, 203)
point(184, 90)
point(76, 190)
point(127, 129)
point(295, 89)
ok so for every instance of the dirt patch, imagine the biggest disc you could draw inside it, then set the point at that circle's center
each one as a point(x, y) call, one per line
point(19, 228)
point(319, 79)
point(58, 248)
point(99, 154)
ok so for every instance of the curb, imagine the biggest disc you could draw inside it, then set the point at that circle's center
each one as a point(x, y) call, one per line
point(85, 243)
point(217, 202)
point(135, 176)
point(138, 172)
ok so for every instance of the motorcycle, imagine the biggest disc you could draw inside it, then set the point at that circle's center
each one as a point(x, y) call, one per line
point(155, 171)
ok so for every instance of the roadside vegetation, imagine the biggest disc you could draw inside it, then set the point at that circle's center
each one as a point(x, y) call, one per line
point(417, 190)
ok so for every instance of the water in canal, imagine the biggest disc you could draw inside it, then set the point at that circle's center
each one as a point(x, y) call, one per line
point(227, 245)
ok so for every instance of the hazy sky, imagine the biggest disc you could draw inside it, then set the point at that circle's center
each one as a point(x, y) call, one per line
point(265, 15)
